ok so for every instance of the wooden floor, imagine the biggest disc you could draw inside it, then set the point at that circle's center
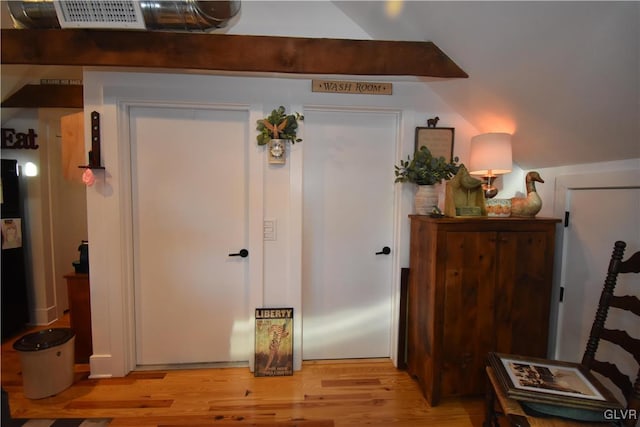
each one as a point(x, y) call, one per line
point(323, 394)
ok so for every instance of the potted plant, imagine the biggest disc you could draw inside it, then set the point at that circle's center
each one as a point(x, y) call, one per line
point(276, 129)
point(425, 170)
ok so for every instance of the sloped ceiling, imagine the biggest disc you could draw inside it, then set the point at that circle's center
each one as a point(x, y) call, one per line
point(563, 77)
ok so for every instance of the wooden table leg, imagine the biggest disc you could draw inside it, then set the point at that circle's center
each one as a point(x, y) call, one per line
point(490, 417)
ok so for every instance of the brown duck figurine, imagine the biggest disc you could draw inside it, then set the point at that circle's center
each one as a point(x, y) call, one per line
point(463, 191)
point(528, 206)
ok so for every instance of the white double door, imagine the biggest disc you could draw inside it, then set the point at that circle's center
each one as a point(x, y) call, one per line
point(348, 220)
point(189, 205)
point(189, 209)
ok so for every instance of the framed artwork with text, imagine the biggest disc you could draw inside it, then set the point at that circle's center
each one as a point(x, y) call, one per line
point(438, 140)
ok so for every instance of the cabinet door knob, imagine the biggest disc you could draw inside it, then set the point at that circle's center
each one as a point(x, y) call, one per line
point(385, 251)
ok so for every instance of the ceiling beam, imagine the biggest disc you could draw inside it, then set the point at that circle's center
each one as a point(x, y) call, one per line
point(46, 96)
point(223, 52)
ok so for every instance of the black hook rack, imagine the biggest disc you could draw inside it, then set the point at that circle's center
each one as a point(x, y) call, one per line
point(94, 154)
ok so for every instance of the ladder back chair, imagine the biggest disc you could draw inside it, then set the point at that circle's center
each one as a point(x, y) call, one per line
point(519, 413)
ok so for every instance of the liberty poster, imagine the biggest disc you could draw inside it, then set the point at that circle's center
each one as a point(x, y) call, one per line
point(274, 342)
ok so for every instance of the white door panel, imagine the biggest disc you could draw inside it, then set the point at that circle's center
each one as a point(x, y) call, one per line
point(598, 217)
point(189, 293)
point(347, 218)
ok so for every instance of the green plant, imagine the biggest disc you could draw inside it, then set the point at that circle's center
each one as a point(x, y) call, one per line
point(425, 169)
point(279, 125)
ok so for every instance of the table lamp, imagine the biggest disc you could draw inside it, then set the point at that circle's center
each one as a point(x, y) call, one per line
point(490, 157)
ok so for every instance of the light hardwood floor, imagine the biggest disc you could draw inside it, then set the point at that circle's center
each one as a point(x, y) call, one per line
point(323, 394)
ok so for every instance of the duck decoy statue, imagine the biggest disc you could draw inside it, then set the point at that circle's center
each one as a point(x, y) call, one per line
point(528, 206)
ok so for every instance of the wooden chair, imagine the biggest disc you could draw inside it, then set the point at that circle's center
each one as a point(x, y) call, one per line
point(515, 411)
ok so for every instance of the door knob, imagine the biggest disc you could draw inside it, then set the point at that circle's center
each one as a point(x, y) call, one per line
point(243, 253)
point(385, 251)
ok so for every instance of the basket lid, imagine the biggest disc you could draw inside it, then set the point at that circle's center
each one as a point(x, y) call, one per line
point(44, 339)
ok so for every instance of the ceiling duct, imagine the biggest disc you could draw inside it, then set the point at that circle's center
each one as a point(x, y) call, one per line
point(185, 15)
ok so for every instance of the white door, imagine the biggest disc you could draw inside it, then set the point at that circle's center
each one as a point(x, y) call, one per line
point(347, 219)
point(189, 213)
point(598, 217)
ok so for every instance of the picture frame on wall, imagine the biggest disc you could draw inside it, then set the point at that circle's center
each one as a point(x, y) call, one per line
point(438, 140)
point(552, 382)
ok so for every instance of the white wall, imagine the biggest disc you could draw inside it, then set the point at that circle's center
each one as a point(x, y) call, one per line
point(295, 19)
point(55, 215)
point(107, 93)
point(31, 192)
point(311, 19)
point(513, 184)
point(67, 206)
point(550, 175)
point(111, 308)
point(104, 90)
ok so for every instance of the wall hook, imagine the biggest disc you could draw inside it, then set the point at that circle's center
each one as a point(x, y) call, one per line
point(94, 154)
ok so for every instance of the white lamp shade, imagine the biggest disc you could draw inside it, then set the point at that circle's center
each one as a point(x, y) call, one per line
point(490, 154)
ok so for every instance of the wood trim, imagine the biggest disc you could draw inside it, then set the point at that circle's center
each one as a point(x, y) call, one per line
point(46, 96)
point(224, 52)
point(402, 326)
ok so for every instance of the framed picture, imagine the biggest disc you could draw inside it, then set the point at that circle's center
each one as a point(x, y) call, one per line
point(438, 140)
point(568, 384)
point(274, 342)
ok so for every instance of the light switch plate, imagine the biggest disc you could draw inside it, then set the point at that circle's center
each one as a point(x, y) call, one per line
point(270, 230)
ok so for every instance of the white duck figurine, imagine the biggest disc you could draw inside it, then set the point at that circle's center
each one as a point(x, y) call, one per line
point(528, 206)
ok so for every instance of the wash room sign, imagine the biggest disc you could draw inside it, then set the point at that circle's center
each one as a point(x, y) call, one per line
point(361, 88)
point(19, 140)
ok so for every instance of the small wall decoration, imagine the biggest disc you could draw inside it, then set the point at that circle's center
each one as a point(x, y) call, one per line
point(275, 130)
point(94, 153)
point(274, 342)
point(277, 151)
point(11, 233)
point(19, 140)
point(438, 140)
point(353, 87)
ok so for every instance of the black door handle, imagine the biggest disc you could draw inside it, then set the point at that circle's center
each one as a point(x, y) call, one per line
point(243, 253)
point(385, 251)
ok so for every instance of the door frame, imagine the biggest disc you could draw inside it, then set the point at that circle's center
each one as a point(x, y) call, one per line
point(565, 184)
point(397, 225)
point(255, 206)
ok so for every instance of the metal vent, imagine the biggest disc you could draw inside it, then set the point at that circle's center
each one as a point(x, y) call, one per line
point(99, 14)
point(166, 15)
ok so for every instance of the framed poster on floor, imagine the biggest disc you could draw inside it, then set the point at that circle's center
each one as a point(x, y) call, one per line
point(274, 342)
point(553, 382)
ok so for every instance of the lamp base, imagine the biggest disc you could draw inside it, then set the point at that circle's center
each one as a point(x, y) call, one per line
point(490, 190)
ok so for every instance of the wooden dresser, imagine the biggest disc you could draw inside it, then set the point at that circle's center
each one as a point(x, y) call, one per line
point(475, 285)
point(80, 314)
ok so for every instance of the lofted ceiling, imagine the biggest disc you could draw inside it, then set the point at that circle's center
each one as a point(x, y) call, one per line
point(562, 77)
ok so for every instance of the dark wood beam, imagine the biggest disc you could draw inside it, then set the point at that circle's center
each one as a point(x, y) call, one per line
point(223, 52)
point(46, 96)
